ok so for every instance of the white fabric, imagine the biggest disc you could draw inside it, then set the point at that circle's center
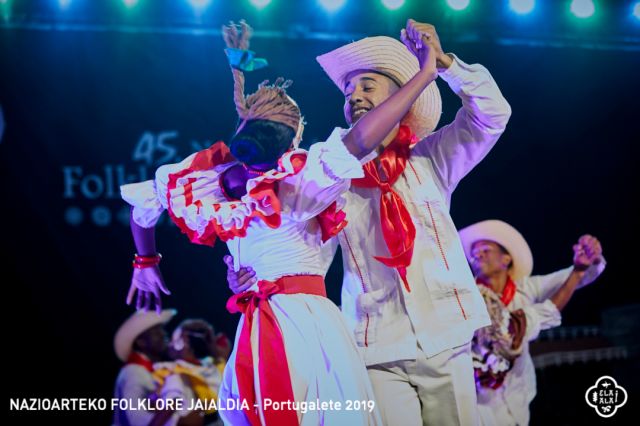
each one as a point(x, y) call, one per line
point(135, 382)
point(427, 391)
point(509, 404)
point(295, 247)
point(389, 322)
point(322, 356)
point(207, 370)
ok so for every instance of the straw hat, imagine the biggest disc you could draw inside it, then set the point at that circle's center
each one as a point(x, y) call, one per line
point(135, 325)
point(505, 235)
point(390, 57)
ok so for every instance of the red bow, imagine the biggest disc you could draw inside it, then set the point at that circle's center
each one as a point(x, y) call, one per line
point(397, 227)
point(275, 383)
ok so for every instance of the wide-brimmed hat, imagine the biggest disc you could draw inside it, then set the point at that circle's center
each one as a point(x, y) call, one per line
point(390, 57)
point(505, 235)
point(135, 325)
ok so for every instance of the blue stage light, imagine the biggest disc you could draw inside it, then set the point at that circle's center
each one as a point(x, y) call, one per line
point(522, 7)
point(458, 4)
point(130, 3)
point(393, 4)
point(332, 5)
point(636, 10)
point(582, 8)
point(64, 3)
point(260, 4)
point(199, 4)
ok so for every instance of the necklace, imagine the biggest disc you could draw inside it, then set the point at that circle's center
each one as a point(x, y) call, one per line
point(252, 171)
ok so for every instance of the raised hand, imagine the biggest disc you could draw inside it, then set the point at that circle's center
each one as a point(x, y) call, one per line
point(148, 283)
point(423, 34)
point(586, 252)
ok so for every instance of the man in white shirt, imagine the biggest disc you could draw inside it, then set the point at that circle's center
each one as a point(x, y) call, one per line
point(408, 294)
point(502, 262)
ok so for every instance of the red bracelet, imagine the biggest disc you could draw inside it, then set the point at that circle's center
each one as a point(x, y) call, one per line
point(141, 262)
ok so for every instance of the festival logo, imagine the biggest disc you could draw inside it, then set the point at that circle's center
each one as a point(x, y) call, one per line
point(606, 396)
point(94, 194)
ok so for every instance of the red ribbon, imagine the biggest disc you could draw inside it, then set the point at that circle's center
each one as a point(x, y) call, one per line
point(139, 359)
point(508, 292)
point(397, 227)
point(273, 370)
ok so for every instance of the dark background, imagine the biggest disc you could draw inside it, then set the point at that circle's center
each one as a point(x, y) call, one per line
point(80, 89)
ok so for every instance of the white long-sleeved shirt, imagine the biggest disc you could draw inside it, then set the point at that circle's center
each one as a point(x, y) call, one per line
point(444, 306)
point(509, 404)
point(135, 383)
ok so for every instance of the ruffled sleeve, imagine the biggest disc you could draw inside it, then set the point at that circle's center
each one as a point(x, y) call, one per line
point(326, 175)
point(142, 196)
point(148, 198)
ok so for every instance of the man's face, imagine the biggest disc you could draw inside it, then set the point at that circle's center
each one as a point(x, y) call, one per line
point(154, 341)
point(488, 258)
point(363, 91)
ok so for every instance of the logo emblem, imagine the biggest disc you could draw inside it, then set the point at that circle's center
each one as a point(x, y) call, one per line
point(606, 396)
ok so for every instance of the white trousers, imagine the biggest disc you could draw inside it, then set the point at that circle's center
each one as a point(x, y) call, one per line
point(436, 391)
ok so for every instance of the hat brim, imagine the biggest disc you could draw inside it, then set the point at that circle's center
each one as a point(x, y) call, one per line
point(135, 325)
point(505, 235)
point(390, 57)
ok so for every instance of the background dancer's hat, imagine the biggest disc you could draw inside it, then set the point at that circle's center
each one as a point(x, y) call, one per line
point(135, 325)
point(391, 58)
point(269, 102)
point(505, 235)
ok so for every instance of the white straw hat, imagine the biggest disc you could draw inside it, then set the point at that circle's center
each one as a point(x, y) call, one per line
point(135, 325)
point(505, 235)
point(390, 57)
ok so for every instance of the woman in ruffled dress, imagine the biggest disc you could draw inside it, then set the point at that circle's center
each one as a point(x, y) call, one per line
point(274, 205)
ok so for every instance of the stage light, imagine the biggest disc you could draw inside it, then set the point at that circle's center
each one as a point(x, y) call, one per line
point(636, 10)
point(393, 4)
point(458, 4)
point(130, 3)
point(199, 4)
point(260, 4)
point(332, 5)
point(582, 8)
point(64, 3)
point(522, 7)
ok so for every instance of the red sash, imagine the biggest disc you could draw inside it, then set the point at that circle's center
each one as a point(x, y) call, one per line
point(273, 369)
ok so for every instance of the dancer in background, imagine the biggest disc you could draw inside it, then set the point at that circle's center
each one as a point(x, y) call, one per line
point(520, 306)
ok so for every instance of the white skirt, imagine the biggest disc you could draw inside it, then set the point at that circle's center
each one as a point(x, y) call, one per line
point(323, 361)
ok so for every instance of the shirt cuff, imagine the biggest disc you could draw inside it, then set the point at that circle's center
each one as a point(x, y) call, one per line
point(364, 160)
point(592, 273)
point(455, 74)
point(144, 200)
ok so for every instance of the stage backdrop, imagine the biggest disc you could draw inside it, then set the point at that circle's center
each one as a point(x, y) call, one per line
point(88, 111)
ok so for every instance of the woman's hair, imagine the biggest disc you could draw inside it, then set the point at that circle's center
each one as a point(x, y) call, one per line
point(198, 344)
point(262, 142)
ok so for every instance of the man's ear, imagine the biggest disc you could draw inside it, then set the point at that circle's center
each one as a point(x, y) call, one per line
point(507, 260)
